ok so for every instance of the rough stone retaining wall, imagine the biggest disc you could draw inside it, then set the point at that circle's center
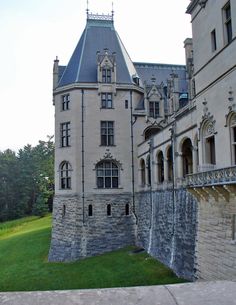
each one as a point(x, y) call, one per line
point(168, 231)
point(216, 243)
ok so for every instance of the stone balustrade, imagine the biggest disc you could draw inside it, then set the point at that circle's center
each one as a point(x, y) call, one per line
point(211, 177)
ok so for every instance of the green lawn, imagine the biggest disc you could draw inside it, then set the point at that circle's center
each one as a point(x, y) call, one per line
point(24, 246)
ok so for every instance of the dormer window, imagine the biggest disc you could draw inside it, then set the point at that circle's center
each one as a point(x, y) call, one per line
point(106, 75)
point(154, 109)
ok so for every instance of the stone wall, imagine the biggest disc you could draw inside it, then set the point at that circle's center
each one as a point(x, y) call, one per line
point(168, 231)
point(73, 238)
point(216, 244)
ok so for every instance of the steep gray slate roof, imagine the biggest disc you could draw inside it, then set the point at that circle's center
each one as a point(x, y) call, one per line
point(97, 36)
point(161, 72)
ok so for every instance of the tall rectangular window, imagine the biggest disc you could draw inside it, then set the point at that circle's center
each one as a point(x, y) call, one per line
point(65, 134)
point(233, 142)
point(107, 133)
point(65, 103)
point(233, 227)
point(154, 109)
point(213, 41)
point(106, 75)
point(106, 100)
point(227, 23)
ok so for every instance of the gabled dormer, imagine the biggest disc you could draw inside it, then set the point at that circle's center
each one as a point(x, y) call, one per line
point(106, 67)
point(154, 100)
point(106, 71)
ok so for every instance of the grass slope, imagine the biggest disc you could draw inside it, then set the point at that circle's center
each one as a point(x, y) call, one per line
point(24, 246)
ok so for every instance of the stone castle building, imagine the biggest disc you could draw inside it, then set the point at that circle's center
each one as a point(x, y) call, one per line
point(146, 153)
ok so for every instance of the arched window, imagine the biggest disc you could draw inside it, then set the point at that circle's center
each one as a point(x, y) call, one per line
point(65, 175)
point(233, 138)
point(107, 174)
point(170, 163)
point(208, 141)
point(160, 167)
point(142, 169)
point(127, 209)
point(187, 157)
point(90, 210)
point(149, 175)
point(108, 210)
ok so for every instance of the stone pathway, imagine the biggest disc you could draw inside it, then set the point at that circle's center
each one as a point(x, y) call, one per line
point(201, 293)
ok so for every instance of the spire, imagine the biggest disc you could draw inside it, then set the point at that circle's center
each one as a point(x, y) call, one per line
point(112, 10)
point(87, 10)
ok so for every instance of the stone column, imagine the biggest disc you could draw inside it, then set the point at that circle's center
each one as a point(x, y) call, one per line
point(179, 165)
point(195, 158)
point(165, 169)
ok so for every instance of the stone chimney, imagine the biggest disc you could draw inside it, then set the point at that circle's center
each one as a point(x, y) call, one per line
point(55, 72)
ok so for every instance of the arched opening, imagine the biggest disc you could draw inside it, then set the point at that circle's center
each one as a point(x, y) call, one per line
point(169, 157)
point(149, 178)
point(160, 167)
point(142, 169)
point(187, 157)
point(208, 141)
point(151, 131)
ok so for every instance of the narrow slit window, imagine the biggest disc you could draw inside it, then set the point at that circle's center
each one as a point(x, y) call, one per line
point(63, 210)
point(213, 41)
point(108, 210)
point(90, 210)
point(233, 227)
point(127, 211)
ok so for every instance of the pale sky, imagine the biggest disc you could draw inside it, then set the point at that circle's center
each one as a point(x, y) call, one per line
point(34, 32)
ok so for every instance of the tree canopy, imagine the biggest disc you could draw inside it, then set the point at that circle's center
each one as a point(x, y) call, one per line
point(27, 180)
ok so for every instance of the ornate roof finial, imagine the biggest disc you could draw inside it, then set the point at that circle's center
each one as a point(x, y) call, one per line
point(112, 10)
point(87, 10)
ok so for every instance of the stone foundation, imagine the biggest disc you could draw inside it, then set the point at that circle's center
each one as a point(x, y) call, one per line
point(76, 234)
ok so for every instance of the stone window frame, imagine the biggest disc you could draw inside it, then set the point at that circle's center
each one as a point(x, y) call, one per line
point(154, 109)
point(65, 102)
point(227, 23)
point(106, 75)
point(107, 133)
point(106, 100)
point(107, 174)
point(65, 134)
point(207, 132)
point(65, 169)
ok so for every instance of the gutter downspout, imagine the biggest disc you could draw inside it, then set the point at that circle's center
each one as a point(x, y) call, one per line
point(151, 163)
point(173, 139)
point(132, 152)
point(82, 150)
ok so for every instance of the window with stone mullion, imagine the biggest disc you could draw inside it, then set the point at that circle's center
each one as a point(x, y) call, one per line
point(107, 133)
point(106, 100)
point(65, 134)
point(154, 109)
point(107, 175)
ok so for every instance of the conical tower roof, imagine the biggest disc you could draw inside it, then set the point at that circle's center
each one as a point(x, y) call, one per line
point(98, 35)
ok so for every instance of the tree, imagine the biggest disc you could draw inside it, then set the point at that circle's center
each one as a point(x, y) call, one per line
point(26, 180)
